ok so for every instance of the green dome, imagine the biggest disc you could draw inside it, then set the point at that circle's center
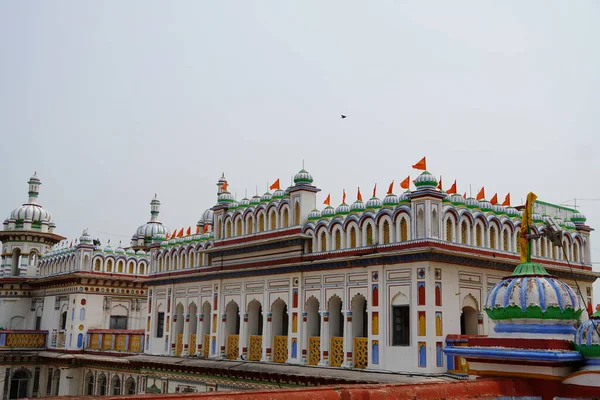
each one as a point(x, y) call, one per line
point(426, 180)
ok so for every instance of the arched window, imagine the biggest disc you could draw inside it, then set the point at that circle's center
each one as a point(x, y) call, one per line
point(142, 269)
point(101, 389)
point(449, 229)
point(435, 223)
point(463, 233)
point(352, 233)
point(543, 245)
point(338, 239)
point(249, 225)
point(238, 226)
point(297, 213)
point(168, 263)
point(228, 229)
point(323, 239)
point(109, 266)
point(273, 219)
point(369, 236)
point(285, 218)
point(131, 268)
point(89, 384)
point(120, 266)
point(478, 235)
point(183, 261)
point(97, 265)
point(506, 242)
point(386, 232)
point(129, 386)
point(403, 230)
point(261, 222)
point(116, 386)
point(575, 252)
point(492, 237)
point(192, 260)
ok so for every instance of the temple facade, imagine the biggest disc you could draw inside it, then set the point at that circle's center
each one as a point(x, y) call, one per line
point(376, 285)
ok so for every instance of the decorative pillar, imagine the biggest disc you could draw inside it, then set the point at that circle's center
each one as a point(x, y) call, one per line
point(348, 341)
point(24, 264)
point(324, 338)
point(243, 350)
point(304, 339)
point(480, 324)
point(2, 269)
point(223, 335)
point(268, 338)
point(186, 336)
point(200, 334)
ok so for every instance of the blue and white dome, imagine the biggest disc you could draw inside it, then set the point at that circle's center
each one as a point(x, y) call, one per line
point(357, 206)
point(426, 181)
point(587, 338)
point(303, 177)
point(266, 197)
point(328, 212)
point(531, 297)
point(578, 219)
point(140, 253)
point(342, 209)
point(512, 212)
point(130, 251)
point(233, 205)
point(457, 199)
point(244, 202)
point(255, 200)
point(391, 200)
point(85, 238)
point(472, 203)
point(485, 205)
point(31, 212)
point(498, 209)
point(153, 228)
point(225, 197)
point(536, 217)
point(208, 216)
point(120, 250)
point(314, 215)
point(108, 249)
point(278, 194)
point(374, 203)
point(403, 198)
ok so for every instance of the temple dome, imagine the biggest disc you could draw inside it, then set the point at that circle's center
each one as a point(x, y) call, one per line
point(314, 215)
point(578, 218)
point(342, 209)
point(512, 212)
point(457, 199)
point(426, 181)
point(587, 338)
point(153, 228)
point(278, 194)
point(357, 206)
point(303, 177)
point(374, 203)
point(531, 296)
point(31, 212)
point(328, 212)
point(255, 200)
point(391, 200)
point(225, 197)
point(499, 209)
point(266, 197)
point(472, 203)
point(485, 205)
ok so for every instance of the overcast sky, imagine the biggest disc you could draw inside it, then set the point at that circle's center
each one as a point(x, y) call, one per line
point(113, 101)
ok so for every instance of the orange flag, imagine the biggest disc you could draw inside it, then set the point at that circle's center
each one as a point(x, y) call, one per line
point(464, 195)
point(506, 201)
point(422, 165)
point(405, 184)
point(439, 186)
point(197, 228)
point(358, 195)
point(275, 185)
point(180, 233)
point(189, 231)
point(452, 189)
point(481, 194)
point(391, 188)
point(225, 186)
point(375, 191)
point(494, 199)
point(344, 197)
point(205, 228)
point(328, 200)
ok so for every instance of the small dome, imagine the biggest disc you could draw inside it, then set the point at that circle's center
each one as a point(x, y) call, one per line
point(374, 203)
point(130, 251)
point(512, 212)
point(391, 200)
point(472, 203)
point(570, 224)
point(255, 200)
point(278, 194)
point(233, 205)
point(244, 202)
point(153, 228)
point(328, 212)
point(426, 181)
point(208, 216)
point(314, 215)
point(357, 206)
point(587, 338)
point(108, 249)
point(457, 199)
point(404, 197)
point(31, 212)
point(266, 197)
point(447, 198)
point(485, 205)
point(531, 293)
point(140, 253)
point(120, 250)
point(225, 197)
point(303, 178)
point(498, 209)
point(85, 238)
point(578, 219)
point(559, 221)
point(342, 209)
point(536, 217)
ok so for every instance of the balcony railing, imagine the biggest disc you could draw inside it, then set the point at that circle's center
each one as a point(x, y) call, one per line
point(22, 340)
point(115, 340)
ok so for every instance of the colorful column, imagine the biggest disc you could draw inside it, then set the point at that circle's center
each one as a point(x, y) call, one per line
point(243, 350)
point(267, 338)
point(348, 341)
point(304, 339)
point(324, 338)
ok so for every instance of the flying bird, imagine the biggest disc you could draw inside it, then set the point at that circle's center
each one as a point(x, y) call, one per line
point(343, 116)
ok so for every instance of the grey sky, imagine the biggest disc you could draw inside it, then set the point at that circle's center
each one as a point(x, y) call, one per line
point(113, 101)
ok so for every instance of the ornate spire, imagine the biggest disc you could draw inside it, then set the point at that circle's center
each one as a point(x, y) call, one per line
point(34, 188)
point(154, 208)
